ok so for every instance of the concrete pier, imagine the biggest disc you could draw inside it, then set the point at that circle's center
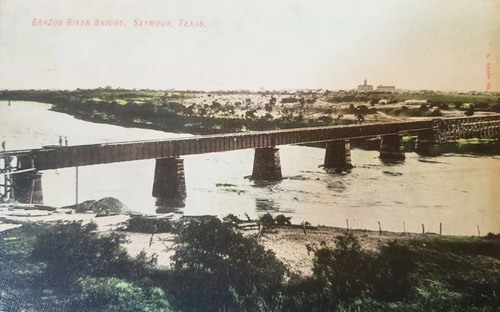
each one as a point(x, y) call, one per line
point(390, 147)
point(169, 182)
point(27, 187)
point(427, 143)
point(338, 155)
point(266, 164)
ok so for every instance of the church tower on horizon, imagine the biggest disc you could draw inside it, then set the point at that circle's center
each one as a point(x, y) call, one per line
point(365, 87)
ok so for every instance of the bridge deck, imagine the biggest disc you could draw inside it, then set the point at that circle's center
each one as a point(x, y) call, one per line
point(83, 155)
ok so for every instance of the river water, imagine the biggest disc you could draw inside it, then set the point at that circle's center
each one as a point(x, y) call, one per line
point(461, 192)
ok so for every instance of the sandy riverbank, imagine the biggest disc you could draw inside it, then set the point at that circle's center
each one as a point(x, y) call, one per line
point(291, 245)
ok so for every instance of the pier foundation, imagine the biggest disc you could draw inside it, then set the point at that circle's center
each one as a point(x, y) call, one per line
point(27, 187)
point(390, 147)
point(338, 155)
point(427, 143)
point(266, 164)
point(169, 182)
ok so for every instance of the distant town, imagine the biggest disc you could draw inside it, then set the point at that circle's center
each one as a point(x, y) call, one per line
point(202, 112)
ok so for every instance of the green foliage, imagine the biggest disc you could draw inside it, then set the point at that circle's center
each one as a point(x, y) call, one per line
point(469, 111)
point(436, 112)
point(116, 295)
point(267, 220)
point(282, 220)
point(217, 268)
point(345, 270)
point(393, 269)
point(347, 275)
point(434, 296)
point(71, 251)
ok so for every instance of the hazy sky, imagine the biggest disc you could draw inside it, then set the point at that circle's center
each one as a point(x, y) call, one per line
point(413, 44)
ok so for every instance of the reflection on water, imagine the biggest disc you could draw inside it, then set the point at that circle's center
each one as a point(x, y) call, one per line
point(168, 205)
point(265, 204)
point(457, 191)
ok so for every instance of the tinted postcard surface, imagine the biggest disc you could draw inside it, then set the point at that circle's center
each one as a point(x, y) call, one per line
point(375, 116)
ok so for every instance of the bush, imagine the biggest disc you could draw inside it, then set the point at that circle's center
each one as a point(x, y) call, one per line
point(267, 220)
point(116, 295)
point(436, 112)
point(348, 273)
point(345, 270)
point(434, 296)
point(217, 268)
point(73, 250)
point(469, 111)
point(282, 220)
point(393, 278)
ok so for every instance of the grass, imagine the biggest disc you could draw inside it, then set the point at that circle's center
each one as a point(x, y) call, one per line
point(20, 287)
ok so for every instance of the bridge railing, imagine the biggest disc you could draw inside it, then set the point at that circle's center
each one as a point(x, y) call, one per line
point(453, 129)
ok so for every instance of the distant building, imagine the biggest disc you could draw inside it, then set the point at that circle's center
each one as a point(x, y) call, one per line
point(365, 87)
point(386, 88)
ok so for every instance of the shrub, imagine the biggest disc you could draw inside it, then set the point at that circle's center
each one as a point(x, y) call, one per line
point(393, 278)
point(348, 273)
point(267, 220)
point(217, 268)
point(436, 112)
point(73, 250)
point(469, 111)
point(345, 270)
point(282, 220)
point(434, 296)
point(116, 295)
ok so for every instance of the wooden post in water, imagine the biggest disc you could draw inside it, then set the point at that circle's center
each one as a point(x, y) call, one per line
point(440, 228)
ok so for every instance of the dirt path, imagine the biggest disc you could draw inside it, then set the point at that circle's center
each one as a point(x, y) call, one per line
point(388, 116)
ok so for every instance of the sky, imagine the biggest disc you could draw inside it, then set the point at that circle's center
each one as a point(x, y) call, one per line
point(235, 44)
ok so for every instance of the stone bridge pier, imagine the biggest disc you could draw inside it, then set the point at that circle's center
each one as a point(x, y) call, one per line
point(169, 181)
point(427, 143)
point(391, 148)
point(338, 155)
point(266, 164)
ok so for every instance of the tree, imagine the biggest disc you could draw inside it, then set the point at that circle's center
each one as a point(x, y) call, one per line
point(272, 100)
point(250, 113)
point(469, 111)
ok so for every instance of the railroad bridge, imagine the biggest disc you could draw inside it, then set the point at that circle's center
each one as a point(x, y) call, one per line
point(21, 169)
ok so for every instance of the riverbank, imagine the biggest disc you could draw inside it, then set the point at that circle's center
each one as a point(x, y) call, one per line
point(294, 246)
point(45, 267)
